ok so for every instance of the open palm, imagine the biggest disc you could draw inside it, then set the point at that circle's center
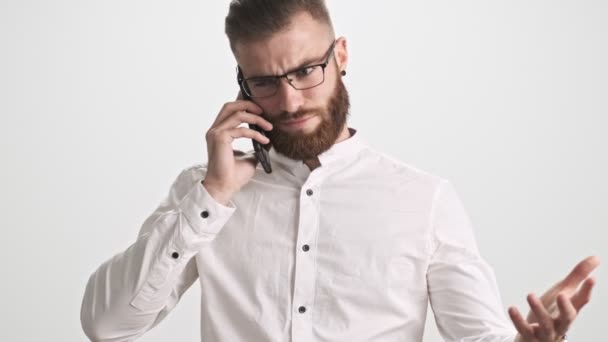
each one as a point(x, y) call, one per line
point(552, 314)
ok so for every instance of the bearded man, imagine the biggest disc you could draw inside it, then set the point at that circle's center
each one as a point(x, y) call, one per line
point(337, 242)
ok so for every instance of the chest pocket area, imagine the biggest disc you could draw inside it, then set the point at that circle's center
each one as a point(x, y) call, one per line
point(364, 244)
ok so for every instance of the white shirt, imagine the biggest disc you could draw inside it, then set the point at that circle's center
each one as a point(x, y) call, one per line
point(352, 251)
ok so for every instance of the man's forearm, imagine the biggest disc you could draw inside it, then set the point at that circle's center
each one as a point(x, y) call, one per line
point(125, 296)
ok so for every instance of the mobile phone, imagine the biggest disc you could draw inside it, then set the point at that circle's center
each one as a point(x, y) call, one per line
point(261, 151)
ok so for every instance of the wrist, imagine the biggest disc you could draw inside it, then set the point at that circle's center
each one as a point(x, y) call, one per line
point(218, 193)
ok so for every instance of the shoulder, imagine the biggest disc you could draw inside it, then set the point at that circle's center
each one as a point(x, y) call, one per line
point(398, 171)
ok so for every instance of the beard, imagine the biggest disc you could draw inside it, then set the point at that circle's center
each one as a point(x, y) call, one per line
point(303, 146)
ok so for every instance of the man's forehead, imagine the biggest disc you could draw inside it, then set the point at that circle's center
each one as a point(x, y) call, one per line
point(300, 42)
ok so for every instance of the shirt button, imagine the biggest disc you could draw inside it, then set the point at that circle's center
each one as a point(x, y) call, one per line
point(309, 192)
point(204, 214)
point(301, 309)
point(305, 248)
point(175, 255)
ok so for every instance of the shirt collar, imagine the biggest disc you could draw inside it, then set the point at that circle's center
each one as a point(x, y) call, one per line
point(343, 149)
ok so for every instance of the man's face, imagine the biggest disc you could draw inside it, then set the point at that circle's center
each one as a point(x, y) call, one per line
point(306, 122)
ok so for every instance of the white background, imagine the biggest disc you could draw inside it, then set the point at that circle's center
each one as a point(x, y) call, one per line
point(102, 103)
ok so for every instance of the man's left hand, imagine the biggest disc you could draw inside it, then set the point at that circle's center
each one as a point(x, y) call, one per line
point(552, 314)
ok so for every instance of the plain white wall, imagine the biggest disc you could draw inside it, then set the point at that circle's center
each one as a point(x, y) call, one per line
point(103, 102)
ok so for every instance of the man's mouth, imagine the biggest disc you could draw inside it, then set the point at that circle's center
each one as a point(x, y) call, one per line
point(296, 122)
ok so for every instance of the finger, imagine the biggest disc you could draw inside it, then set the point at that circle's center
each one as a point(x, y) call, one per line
point(242, 105)
point(230, 107)
point(583, 295)
point(238, 153)
point(240, 117)
point(580, 272)
point(546, 326)
point(243, 117)
point(571, 282)
point(567, 314)
point(246, 157)
point(524, 329)
point(243, 132)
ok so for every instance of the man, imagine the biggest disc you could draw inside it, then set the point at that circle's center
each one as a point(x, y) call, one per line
point(338, 243)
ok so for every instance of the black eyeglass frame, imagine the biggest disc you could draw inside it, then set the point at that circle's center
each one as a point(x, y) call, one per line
point(277, 78)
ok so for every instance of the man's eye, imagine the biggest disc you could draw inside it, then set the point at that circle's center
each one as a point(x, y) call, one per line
point(305, 71)
point(264, 82)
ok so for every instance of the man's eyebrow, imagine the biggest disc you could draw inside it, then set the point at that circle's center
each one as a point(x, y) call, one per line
point(305, 63)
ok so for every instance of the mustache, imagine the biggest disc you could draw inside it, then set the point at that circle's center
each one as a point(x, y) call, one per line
point(286, 116)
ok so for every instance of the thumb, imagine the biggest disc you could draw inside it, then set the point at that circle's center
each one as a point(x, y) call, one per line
point(570, 283)
point(580, 272)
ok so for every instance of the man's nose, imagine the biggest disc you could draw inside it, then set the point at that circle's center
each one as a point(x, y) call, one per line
point(290, 99)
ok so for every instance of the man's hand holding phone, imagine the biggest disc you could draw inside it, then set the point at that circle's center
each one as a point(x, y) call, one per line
point(228, 170)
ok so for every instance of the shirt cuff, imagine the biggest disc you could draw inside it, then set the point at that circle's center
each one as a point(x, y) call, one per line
point(204, 218)
point(204, 214)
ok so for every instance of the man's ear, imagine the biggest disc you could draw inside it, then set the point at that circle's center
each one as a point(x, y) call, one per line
point(341, 53)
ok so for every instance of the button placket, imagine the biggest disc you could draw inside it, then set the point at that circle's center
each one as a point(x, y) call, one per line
point(304, 284)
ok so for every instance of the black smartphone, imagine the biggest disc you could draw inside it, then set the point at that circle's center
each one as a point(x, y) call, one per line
point(261, 151)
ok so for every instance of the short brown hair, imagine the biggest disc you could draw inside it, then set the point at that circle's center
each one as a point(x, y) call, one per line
point(251, 20)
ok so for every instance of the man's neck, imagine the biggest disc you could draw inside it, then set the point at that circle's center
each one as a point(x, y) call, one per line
point(314, 162)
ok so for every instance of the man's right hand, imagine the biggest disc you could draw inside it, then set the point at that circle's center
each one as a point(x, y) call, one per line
point(229, 170)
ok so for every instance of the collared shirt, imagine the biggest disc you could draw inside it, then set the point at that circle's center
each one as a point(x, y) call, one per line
point(354, 250)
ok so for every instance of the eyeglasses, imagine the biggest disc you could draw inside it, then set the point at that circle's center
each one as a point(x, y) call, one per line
point(302, 78)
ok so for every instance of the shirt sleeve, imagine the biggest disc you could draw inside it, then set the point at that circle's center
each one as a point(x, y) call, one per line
point(134, 290)
point(462, 287)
